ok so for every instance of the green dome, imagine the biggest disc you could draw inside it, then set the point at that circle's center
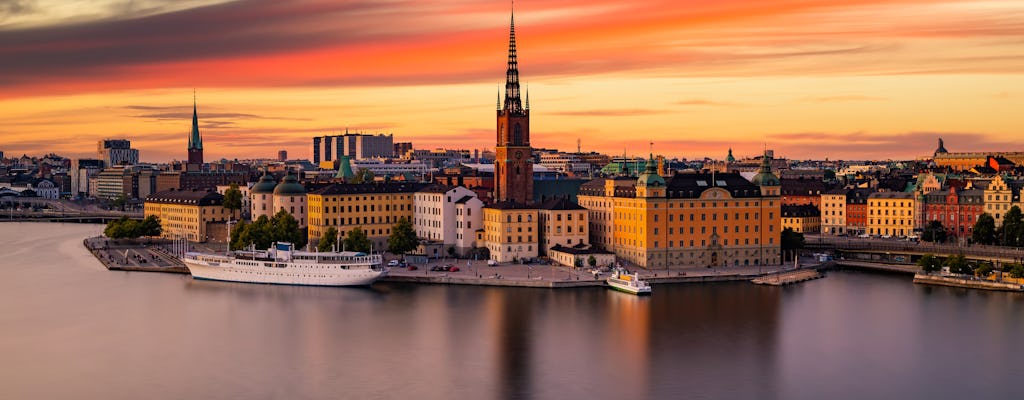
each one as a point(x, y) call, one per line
point(765, 179)
point(650, 175)
point(266, 184)
point(289, 186)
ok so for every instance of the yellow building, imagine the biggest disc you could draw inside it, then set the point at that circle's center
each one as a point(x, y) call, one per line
point(188, 214)
point(373, 207)
point(891, 214)
point(802, 219)
point(564, 223)
point(510, 231)
point(998, 199)
point(703, 219)
point(833, 212)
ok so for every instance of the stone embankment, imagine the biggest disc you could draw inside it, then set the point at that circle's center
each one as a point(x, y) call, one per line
point(928, 279)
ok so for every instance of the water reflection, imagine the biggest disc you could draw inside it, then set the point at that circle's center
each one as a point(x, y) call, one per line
point(105, 334)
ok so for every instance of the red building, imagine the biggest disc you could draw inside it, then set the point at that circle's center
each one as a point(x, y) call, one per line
point(802, 191)
point(857, 210)
point(513, 169)
point(956, 209)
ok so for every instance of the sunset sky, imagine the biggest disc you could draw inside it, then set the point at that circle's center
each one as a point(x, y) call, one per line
point(809, 78)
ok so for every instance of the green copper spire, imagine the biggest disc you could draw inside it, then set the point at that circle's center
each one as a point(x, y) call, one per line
point(195, 141)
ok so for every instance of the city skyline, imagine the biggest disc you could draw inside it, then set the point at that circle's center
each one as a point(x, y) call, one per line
point(812, 79)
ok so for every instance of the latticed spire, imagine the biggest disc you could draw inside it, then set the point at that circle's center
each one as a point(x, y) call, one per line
point(512, 100)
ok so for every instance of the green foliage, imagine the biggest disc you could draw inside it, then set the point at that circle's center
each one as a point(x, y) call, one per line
point(958, 264)
point(328, 240)
point(984, 230)
point(591, 261)
point(403, 238)
point(125, 228)
point(363, 175)
point(1012, 231)
point(984, 269)
point(929, 263)
point(934, 232)
point(1016, 270)
point(119, 201)
point(356, 240)
point(233, 198)
point(150, 226)
point(263, 232)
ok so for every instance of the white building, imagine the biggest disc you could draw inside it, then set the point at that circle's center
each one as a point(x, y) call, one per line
point(565, 163)
point(382, 168)
point(46, 189)
point(448, 215)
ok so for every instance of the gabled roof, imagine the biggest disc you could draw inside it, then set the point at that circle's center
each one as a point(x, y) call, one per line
point(189, 197)
point(560, 203)
point(376, 187)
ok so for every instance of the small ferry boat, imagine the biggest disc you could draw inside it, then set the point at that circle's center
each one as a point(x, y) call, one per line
point(624, 282)
point(282, 264)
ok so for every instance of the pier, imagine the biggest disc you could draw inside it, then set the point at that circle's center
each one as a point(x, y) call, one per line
point(787, 278)
point(149, 255)
point(955, 281)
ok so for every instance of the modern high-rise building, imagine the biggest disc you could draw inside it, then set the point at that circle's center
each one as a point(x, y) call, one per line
point(316, 150)
point(513, 171)
point(195, 143)
point(282, 155)
point(355, 145)
point(117, 152)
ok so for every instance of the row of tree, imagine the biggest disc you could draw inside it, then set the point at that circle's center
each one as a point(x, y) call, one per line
point(402, 240)
point(1011, 233)
point(958, 264)
point(263, 232)
point(126, 228)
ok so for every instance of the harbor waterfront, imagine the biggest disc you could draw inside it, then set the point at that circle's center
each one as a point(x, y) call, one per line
point(72, 329)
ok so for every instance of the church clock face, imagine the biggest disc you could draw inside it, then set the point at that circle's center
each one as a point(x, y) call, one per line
point(519, 154)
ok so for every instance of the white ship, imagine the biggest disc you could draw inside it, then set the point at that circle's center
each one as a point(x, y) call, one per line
point(624, 282)
point(283, 265)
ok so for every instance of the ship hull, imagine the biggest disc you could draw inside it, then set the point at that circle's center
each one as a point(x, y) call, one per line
point(293, 275)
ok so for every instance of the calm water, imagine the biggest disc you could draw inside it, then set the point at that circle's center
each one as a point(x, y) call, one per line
point(71, 329)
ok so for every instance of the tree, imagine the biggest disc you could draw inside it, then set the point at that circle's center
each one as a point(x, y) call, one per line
point(1016, 271)
point(591, 261)
point(356, 240)
point(363, 175)
point(929, 263)
point(792, 241)
point(119, 201)
point(934, 232)
point(328, 240)
point(957, 264)
point(122, 228)
point(984, 269)
point(403, 238)
point(285, 228)
point(150, 226)
point(233, 198)
point(1012, 231)
point(984, 231)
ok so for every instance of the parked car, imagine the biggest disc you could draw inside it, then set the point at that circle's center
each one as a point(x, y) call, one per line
point(412, 268)
point(454, 269)
point(393, 263)
point(492, 263)
point(437, 268)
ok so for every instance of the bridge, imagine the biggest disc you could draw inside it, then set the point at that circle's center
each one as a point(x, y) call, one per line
point(87, 217)
point(896, 251)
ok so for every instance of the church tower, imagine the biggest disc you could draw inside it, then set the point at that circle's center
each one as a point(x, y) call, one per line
point(513, 165)
point(195, 143)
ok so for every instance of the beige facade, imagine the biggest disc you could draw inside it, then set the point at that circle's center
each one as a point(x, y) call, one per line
point(891, 214)
point(563, 223)
point(998, 199)
point(187, 214)
point(833, 213)
point(510, 232)
point(373, 207)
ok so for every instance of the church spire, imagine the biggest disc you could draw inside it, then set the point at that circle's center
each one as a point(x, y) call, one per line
point(512, 100)
point(195, 141)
